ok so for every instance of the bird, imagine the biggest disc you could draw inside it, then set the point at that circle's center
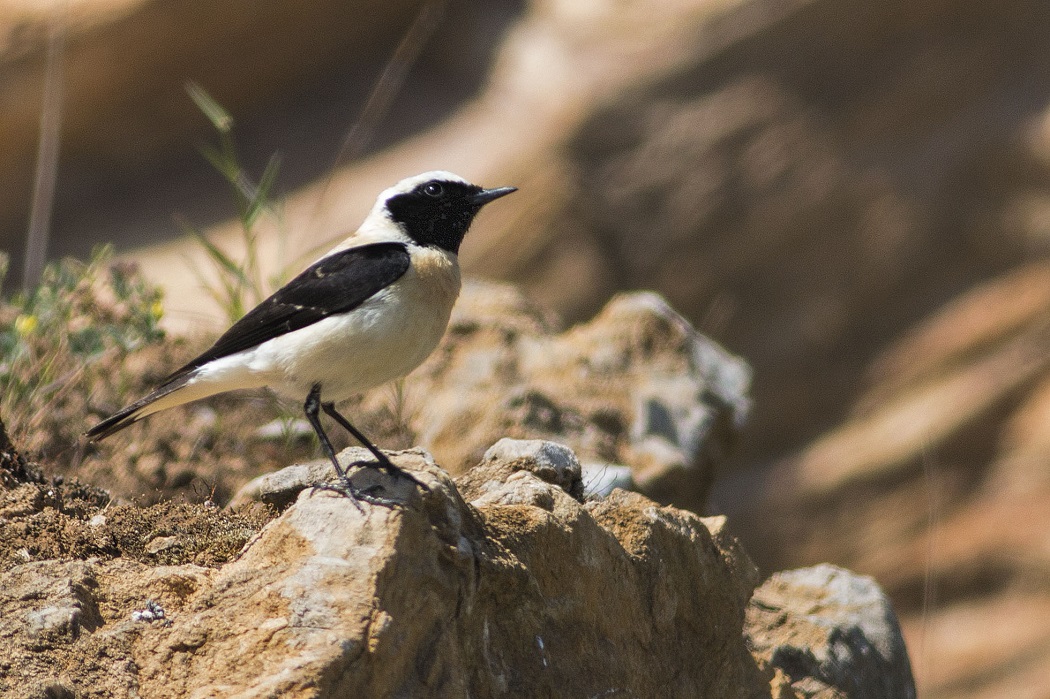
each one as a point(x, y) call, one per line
point(368, 311)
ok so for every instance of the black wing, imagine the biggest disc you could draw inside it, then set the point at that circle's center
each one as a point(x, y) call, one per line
point(336, 284)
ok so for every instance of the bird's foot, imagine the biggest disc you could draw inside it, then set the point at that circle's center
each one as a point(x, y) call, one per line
point(345, 487)
point(374, 482)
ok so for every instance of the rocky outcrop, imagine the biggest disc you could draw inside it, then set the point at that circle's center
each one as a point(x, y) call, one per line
point(504, 583)
point(526, 592)
point(509, 595)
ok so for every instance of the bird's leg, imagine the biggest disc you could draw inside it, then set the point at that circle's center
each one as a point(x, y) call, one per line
point(312, 409)
point(384, 462)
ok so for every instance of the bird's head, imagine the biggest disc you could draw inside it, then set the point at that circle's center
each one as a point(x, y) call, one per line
point(435, 208)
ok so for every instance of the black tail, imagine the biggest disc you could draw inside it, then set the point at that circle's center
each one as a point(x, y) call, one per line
point(113, 423)
point(133, 413)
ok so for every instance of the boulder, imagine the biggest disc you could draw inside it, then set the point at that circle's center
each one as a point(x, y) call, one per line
point(525, 591)
point(511, 580)
point(829, 634)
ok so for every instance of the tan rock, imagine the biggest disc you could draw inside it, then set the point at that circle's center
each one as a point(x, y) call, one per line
point(69, 623)
point(532, 593)
point(831, 633)
point(897, 432)
point(515, 599)
point(524, 591)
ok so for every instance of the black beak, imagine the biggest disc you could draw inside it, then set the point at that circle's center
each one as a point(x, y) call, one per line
point(487, 195)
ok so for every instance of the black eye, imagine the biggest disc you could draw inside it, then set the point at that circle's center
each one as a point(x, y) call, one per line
point(433, 189)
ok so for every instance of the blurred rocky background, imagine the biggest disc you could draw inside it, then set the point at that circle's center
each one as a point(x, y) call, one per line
point(854, 197)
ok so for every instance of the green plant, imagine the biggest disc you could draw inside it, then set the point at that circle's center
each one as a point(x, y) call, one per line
point(240, 284)
point(79, 319)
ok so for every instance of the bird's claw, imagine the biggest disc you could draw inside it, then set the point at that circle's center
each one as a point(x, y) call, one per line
point(370, 494)
point(357, 495)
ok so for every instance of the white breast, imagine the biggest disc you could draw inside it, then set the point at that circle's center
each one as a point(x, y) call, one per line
point(386, 337)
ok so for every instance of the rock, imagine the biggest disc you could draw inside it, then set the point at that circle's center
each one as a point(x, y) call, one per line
point(500, 583)
point(161, 543)
point(549, 461)
point(512, 595)
point(51, 622)
point(44, 605)
point(636, 385)
point(150, 613)
point(831, 633)
point(280, 488)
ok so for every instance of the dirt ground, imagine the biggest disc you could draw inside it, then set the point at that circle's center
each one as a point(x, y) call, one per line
point(58, 518)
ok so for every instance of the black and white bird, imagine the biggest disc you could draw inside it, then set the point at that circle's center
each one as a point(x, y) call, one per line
point(369, 311)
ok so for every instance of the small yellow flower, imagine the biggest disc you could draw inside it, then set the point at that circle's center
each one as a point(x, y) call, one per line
point(25, 324)
point(157, 310)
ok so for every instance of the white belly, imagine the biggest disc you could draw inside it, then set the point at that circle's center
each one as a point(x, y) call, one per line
point(386, 337)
